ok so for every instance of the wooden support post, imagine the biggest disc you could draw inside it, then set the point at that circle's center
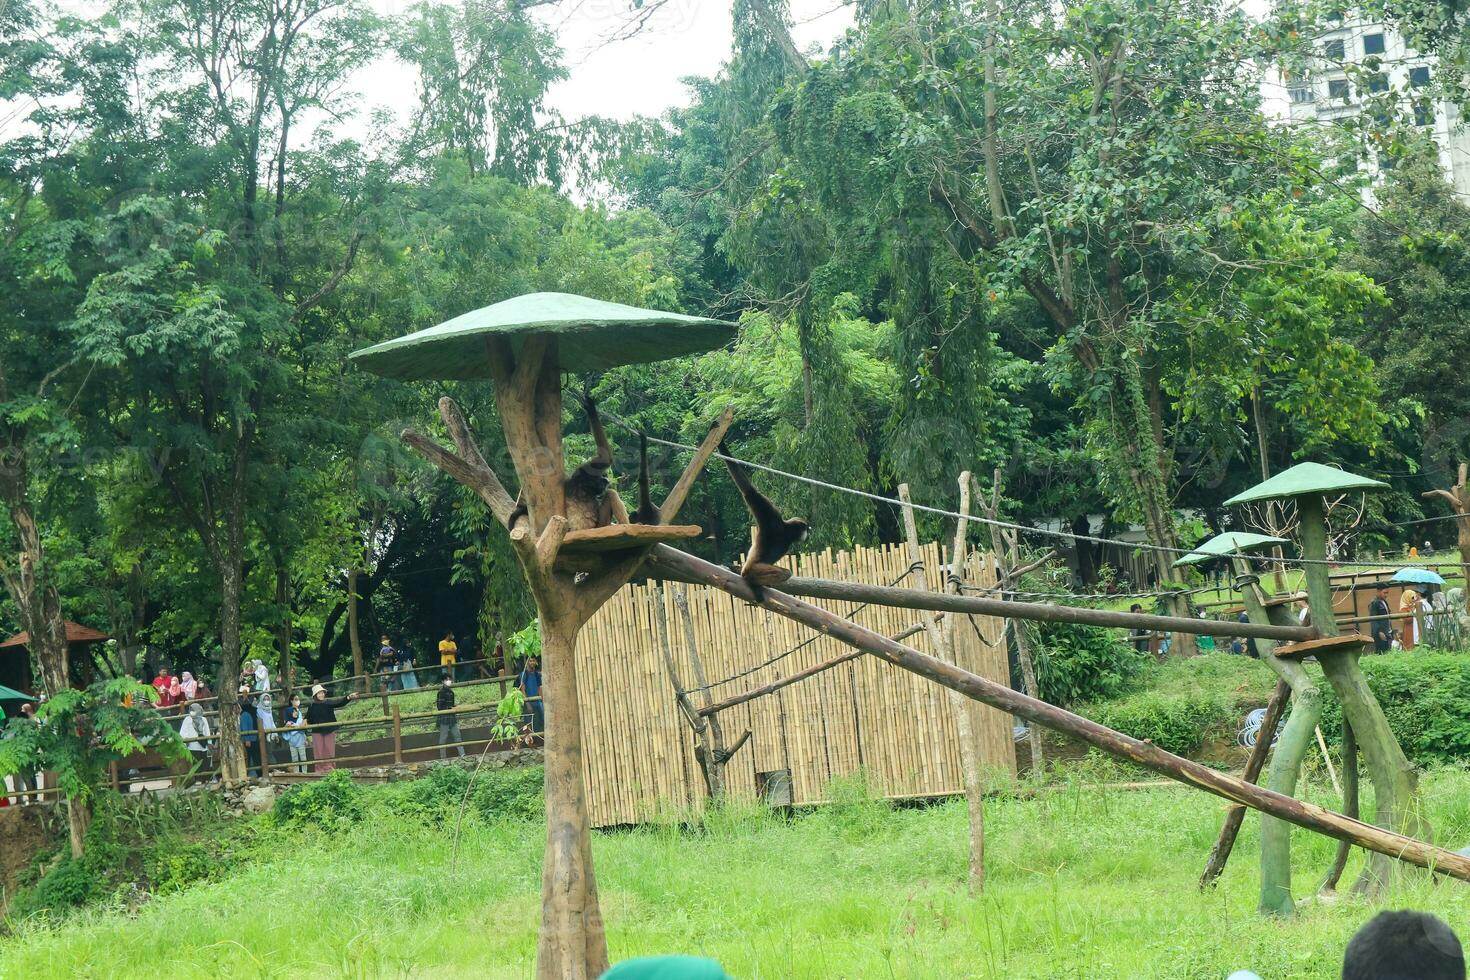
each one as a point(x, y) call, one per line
point(941, 641)
point(669, 509)
point(1225, 843)
point(1395, 783)
point(397, 736)
point(685, 567)
point(112, 772)
point(1005, 547)
point(572, 944)
point(1349, 807)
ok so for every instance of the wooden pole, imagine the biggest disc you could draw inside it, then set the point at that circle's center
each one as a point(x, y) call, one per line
point(397, 736)
point(686, 567)
point(1225, 843)
point(901, 598)
point(1395, 783)
point(1005, 546)
point(1349, 807)
point(941, 641)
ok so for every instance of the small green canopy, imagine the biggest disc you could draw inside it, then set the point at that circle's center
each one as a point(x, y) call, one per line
point(1229, 543)
point(1305, 479)
point(11, 694)
point(594, 336)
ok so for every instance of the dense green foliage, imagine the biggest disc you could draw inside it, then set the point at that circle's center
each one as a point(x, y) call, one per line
point(1426, 696)
point(1083, 663)
point(1081, 882)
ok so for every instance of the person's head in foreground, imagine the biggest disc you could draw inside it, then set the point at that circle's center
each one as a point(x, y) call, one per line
point(1404, 946)
point(667, 968)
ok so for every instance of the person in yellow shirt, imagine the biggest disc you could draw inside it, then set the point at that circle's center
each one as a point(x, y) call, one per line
point(448, 653)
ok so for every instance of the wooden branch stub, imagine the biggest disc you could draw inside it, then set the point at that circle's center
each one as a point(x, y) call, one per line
point(620, 537)
point(675, 500)
point(479, 478)
point(1347, 643)
point(551, 541)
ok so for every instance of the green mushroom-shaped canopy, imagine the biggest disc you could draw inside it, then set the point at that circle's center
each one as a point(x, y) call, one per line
point(1229, 543)
point(593, 335)
point(1306, 479)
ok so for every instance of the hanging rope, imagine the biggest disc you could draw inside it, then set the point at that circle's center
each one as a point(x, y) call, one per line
point(1011, 525)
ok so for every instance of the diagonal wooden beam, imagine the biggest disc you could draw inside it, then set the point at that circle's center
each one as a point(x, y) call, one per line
point(675, 500)
point(1146, 754)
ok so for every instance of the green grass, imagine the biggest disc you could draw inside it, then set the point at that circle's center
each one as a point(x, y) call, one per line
point(1081, 883)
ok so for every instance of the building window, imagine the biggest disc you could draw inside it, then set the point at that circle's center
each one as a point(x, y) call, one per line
point(1337, 88)
point(1423, 115)
point(1335, 50)
point(1373, 43)
point(1419, 77)
point(1300, 91)
point(1387, 161)
point(1378, 82)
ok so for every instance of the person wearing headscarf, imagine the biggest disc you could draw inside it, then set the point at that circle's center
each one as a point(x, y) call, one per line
point(189, 686)
point(295, 737)
point(194, 727)
point(175, 692)
point(262, 676)
point(1408, 608)
point(266, 716)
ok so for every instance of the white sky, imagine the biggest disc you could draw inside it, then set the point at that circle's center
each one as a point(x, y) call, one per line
point(621, 79)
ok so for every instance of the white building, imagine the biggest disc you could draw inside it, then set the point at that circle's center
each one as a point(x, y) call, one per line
point(1345, 76)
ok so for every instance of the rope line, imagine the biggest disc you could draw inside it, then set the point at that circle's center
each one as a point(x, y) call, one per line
point(1011, 525)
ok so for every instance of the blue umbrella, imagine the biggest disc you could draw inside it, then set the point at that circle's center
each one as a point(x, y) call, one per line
point(1417, 576)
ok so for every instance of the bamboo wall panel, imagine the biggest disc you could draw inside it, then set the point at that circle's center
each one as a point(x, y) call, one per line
point(863, 715)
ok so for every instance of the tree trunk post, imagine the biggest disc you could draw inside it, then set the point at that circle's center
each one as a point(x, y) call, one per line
point(1395, 782)
point(527, 386)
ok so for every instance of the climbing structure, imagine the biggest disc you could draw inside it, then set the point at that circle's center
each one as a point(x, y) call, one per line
point(523, 346)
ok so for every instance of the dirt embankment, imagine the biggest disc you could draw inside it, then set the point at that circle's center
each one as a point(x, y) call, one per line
point(23, 832)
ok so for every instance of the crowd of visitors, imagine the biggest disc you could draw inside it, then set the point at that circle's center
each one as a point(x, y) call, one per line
point(276, 729)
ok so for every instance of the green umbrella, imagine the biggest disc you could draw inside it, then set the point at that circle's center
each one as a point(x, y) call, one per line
point(11, 694)
point(1306, 479)
point(1229, 543)
point(594, 336)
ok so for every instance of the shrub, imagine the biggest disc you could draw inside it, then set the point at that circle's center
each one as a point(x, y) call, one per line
point(517, 793)
point(1082, 663)
point(333, 800)
point(1174, 724)
point(1426, 698)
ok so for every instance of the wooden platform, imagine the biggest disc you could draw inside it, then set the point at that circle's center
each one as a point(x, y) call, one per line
point(1349, 643)
point(621, 537)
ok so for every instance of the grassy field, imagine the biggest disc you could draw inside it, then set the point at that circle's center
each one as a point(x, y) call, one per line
point(1081, 883)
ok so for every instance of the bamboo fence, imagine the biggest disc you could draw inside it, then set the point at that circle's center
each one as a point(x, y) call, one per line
point(864, 715)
